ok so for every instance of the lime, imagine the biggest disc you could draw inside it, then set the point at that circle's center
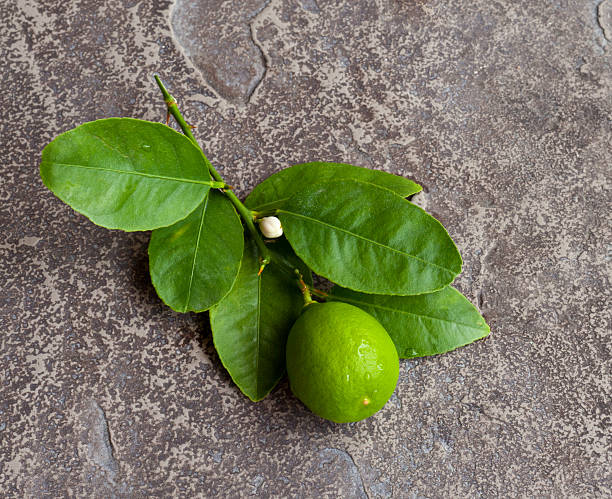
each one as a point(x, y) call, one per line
point(341, 362)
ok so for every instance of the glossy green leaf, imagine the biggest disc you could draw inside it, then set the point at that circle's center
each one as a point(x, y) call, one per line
point(369, 239)
point(126, 174)
point(424, 324)
point(273, 192)
point(250, 325)
point(194, 263)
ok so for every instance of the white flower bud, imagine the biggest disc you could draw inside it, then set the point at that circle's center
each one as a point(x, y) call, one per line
point(270, 227)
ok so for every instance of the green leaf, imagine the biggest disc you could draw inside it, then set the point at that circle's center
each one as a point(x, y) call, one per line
point(273, 192)
point(126, 174)
point(422, 325)
point(195, 262)
point(250, 325)
point(369, 239)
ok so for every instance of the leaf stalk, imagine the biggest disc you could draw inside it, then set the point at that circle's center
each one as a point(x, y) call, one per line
point(243, 211)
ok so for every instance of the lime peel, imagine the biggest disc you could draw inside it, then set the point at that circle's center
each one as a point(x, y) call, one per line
point(341, 362)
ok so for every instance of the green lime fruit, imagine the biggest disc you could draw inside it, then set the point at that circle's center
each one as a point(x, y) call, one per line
point(341, 362)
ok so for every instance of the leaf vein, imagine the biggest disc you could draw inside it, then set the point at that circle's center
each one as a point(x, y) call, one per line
point(111, 146)
point(389, 309)
point(320, 222)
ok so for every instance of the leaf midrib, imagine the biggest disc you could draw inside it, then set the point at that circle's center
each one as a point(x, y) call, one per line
point(388, 309)
point(264, 206)
point(195, 253)
point(258, 322)
point(135, 173)
point(320, 222)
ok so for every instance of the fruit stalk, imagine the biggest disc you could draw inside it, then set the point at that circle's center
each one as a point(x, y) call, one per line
point(304, 288)
point(243, 211)
point(318, 293)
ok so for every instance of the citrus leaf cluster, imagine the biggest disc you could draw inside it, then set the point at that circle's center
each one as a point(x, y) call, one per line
point(350, 225)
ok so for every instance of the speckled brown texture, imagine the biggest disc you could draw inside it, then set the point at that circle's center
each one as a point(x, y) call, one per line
point(501, 109)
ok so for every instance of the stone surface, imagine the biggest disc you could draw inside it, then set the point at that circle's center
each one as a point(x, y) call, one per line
point(500, 109)
point(218, 38)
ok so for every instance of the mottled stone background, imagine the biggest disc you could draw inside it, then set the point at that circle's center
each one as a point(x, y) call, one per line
point(501, 109)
